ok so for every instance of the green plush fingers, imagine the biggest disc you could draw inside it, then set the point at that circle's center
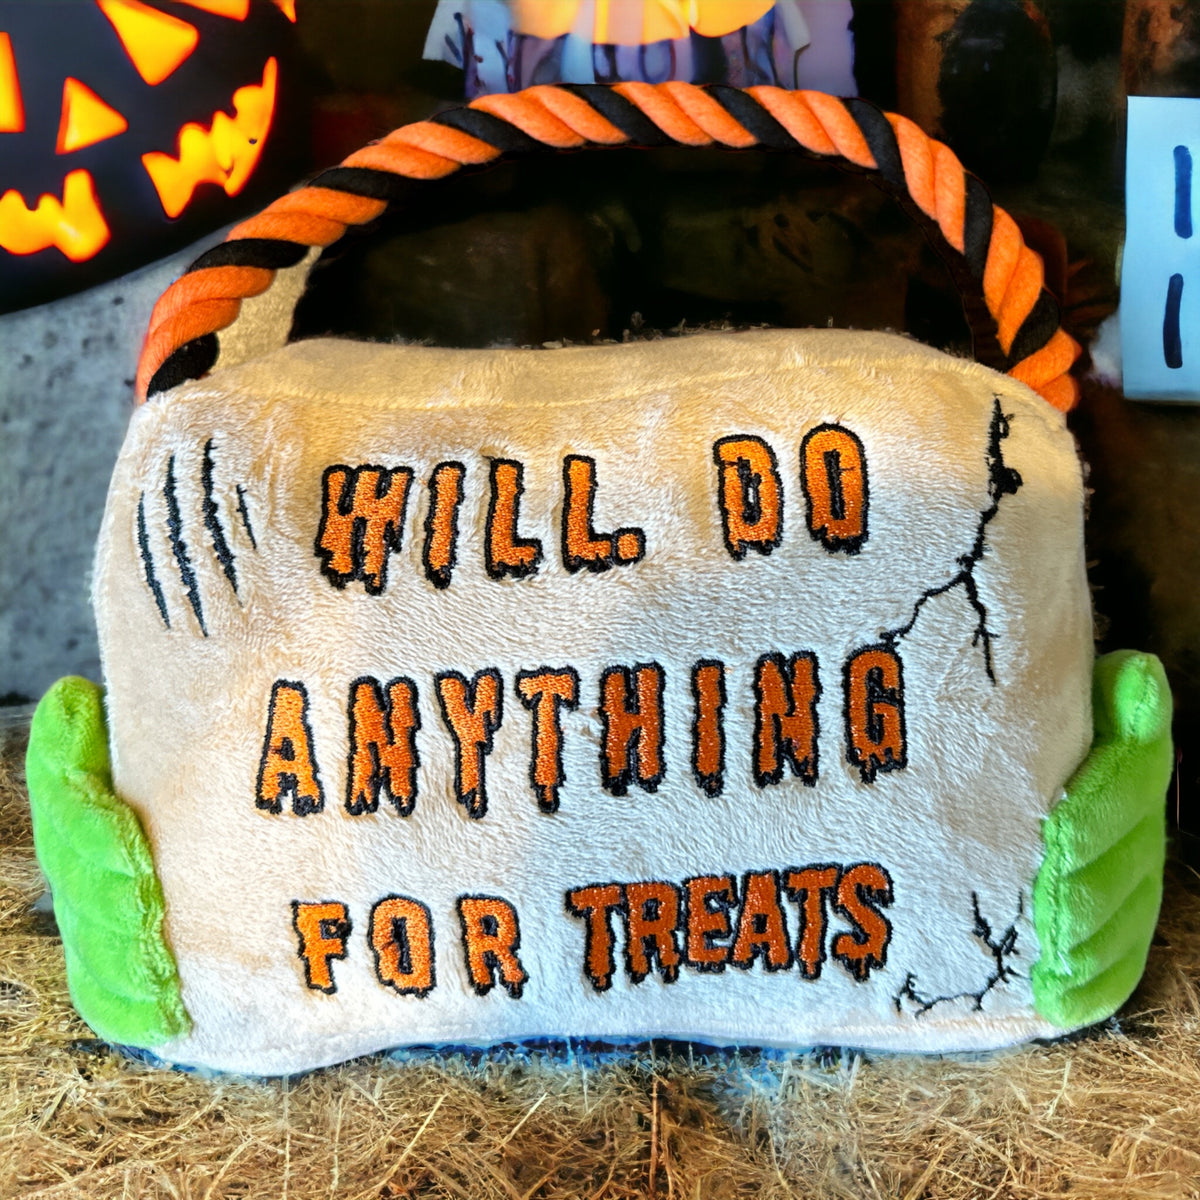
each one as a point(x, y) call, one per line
point(1097, 895)
point(94, 852)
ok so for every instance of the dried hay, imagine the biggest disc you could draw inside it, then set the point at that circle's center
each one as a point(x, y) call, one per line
point(1113, 1114)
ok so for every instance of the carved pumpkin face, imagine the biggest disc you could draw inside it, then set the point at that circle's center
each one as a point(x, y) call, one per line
point(128, 129)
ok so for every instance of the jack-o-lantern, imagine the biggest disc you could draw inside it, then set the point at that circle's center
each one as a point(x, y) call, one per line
point(128, 129)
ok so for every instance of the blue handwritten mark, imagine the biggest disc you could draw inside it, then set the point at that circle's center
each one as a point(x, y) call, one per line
point(1172, 345)
point(1183, 192)
point(1160, 316)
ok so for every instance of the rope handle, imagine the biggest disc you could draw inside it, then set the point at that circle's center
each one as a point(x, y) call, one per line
point(1015, 320)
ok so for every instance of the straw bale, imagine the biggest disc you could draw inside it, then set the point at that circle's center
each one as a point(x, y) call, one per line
point(1112, 1113)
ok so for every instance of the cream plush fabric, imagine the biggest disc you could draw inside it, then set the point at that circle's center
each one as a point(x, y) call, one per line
point(971, 573)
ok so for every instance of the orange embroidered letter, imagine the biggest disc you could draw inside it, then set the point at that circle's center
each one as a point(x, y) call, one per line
point(362, 522)
point(492, 936)
point(633, 730)
point(287, 767)
point(544, 692)
point(581, 545)
point(383, 746)
point(704, 922)
point(785, 718)
point(441, 524)
point(808, 887)
point(472, 713)
point(652, 916)
point(594, 904)
point(749, 494)
point(505, 552)
point(761, 927)
point(875, 712)
point(833, 474)
point(860, 889)
point(402, 942)
point(708, 732)
point(322, 927)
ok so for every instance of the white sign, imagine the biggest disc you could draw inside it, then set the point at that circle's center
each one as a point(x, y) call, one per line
point(1160, 273)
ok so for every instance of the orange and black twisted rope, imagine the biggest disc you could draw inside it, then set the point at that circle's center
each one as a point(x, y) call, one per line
point(1014, 318)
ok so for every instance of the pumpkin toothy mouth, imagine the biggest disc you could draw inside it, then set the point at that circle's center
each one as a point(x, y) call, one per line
point(75, 225)
point(225, 153)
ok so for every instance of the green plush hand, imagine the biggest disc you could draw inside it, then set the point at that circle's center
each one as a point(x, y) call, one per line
point(94, 852)
point(1097, 895)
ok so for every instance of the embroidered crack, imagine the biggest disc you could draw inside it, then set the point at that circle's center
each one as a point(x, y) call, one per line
point(1001, 948)
point(1003, 480)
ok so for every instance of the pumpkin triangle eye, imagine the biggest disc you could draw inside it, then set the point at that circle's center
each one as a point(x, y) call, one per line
point(235, 10)
point(288, 8)
point(154, 41)
point(86, 119)
point(12, 112)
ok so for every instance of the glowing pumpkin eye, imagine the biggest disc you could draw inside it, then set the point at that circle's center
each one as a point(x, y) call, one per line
point(85, 119)
point(155, 42)
point(12, 112)
point(288, 8)
point(235, 10)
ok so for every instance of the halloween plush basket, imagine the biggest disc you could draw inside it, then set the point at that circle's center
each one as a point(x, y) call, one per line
point(737, 687)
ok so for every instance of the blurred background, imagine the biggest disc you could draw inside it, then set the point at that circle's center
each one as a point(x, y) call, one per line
point(133, 132)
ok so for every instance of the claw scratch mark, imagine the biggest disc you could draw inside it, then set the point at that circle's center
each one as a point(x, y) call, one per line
point(245, 515)
point(179, 546)
point(1001, 949)
point(212, 519)
point(143, 539)
point(1003, 481)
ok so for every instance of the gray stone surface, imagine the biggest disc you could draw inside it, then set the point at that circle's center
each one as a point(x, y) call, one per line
point(66, 389)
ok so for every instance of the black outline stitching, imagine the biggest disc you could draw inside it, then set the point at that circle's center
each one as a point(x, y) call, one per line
point(495, 568)
point(475, 802)
point(759, 939)
point(418, 992)
point(807, 769)
point(391, 537)
point(613, 557)
point(288, 784)
point(821, 534)
point(547, 796)
point(826, 897)
point(860, 968)
point(618, 784)
point(588, 913)
point(724, 909)
point(876, 693)
point(342, 934)
point(491, 960)
point(380, 778)
point(652, 952)
point(440, 576)
point(710, 785)
point(750, 495)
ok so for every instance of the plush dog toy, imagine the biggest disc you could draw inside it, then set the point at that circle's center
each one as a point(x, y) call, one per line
point(737, 687)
